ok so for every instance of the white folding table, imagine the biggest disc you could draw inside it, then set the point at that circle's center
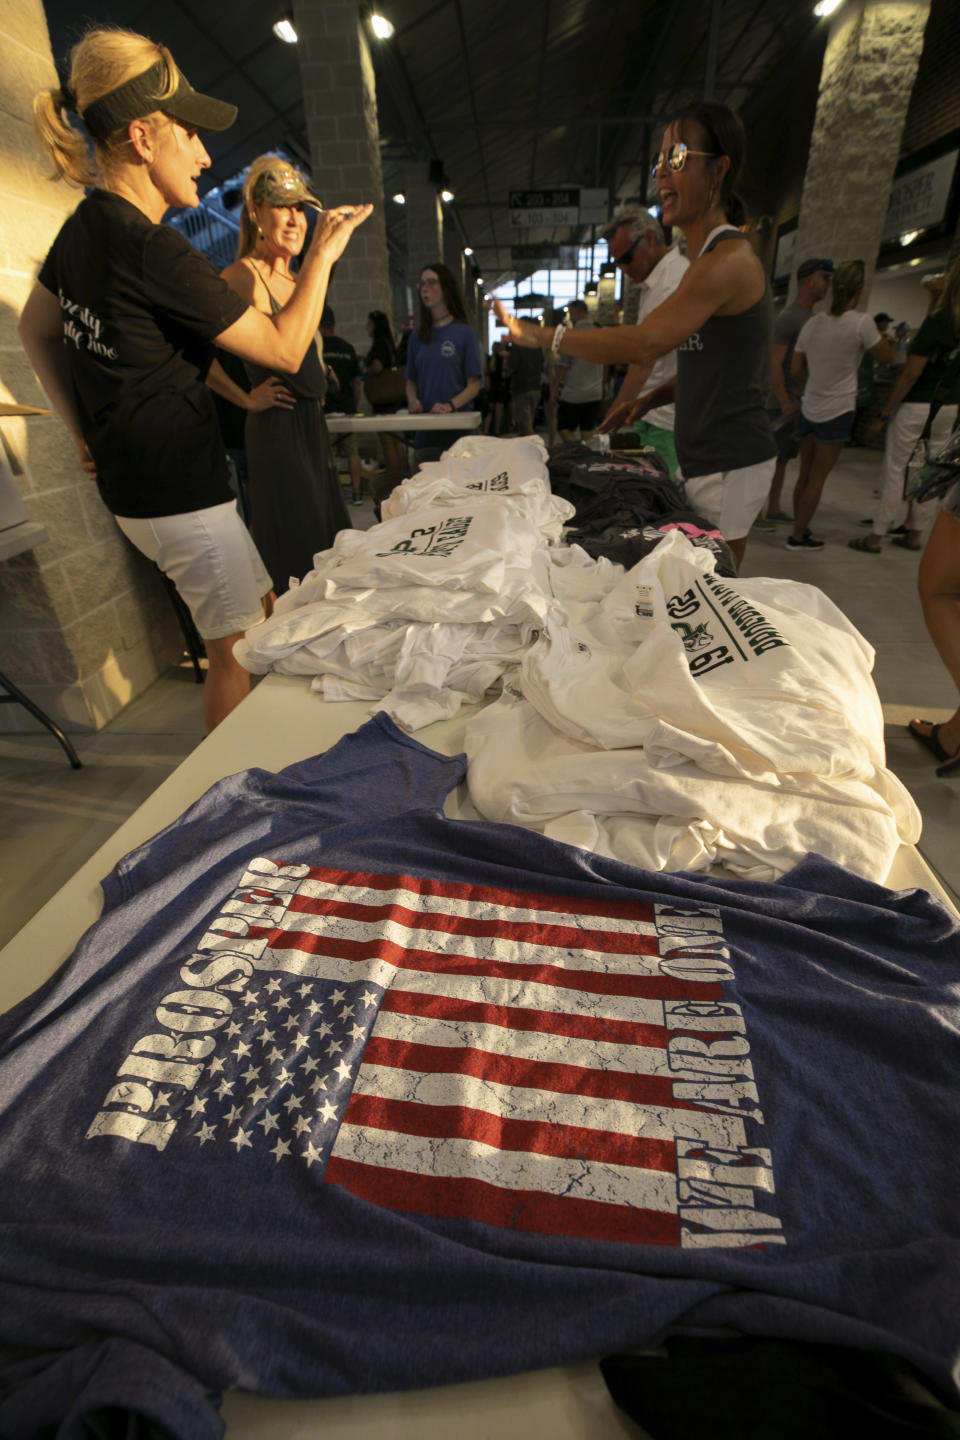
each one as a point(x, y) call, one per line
point(402, 420)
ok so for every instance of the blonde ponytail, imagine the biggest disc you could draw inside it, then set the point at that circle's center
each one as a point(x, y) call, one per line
point(65, 146)
point(99, 63)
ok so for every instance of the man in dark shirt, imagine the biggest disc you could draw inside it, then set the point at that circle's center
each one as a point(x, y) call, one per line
point(525, 368)
point(344, 395)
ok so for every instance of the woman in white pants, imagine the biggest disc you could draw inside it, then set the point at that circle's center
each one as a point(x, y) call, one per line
point(931, 376)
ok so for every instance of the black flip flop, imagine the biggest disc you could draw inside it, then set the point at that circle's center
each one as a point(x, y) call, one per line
point(932, 742)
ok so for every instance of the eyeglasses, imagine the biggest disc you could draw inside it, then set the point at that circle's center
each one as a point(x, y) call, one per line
point(676, 157)
point(425, 283)
point(627, 255)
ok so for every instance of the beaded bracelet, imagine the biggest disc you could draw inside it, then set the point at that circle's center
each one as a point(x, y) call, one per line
point(558, 335)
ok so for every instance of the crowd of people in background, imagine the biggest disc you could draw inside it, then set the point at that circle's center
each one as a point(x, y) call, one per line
point(724, 394)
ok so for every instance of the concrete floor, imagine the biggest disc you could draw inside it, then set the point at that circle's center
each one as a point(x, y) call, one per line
point(55, 818)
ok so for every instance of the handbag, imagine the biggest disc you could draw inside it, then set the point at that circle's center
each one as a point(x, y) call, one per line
point(934, 477)
point(915, 471)
point(918, 462)
point(387, 387)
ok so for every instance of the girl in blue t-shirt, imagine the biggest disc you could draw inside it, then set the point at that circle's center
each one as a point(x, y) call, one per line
point(444, 360)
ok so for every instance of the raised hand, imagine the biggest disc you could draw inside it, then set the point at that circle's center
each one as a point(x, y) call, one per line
point(522, 332)
point(334, 228)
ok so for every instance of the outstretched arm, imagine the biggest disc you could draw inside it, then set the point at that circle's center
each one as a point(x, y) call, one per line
point(711, 284)
point(280, 341)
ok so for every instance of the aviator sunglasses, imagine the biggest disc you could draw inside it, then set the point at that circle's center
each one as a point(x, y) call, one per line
point(676, 157)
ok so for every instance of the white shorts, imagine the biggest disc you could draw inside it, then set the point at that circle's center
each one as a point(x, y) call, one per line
point(731, 499)
point(210, 557)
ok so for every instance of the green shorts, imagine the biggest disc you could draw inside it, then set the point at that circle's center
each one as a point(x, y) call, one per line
point(661, 440)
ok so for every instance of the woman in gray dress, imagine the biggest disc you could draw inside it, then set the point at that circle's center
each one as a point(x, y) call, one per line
point(296, 501)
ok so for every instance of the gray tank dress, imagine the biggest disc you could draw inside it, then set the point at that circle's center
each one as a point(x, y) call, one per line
point(296, 501)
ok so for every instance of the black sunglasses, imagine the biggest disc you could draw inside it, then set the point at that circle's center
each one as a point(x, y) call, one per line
point(627, 255)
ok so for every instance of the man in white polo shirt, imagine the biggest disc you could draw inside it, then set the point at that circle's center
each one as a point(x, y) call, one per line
point(636, 243)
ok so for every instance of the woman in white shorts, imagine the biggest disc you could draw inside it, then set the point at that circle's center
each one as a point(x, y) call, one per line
point(121, 324)
point(828, 351)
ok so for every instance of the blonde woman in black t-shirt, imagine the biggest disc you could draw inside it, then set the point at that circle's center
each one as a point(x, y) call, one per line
point(121, 324)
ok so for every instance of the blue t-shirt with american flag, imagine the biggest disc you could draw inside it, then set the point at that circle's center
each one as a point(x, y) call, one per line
point(340, 1095)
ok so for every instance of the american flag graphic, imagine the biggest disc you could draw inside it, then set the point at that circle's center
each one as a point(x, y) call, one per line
point(462, 1051)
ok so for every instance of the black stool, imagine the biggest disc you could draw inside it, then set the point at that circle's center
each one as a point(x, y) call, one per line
point(191, 635)
point(15, 696)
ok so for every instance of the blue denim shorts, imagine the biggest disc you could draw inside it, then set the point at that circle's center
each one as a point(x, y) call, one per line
point(829, 431)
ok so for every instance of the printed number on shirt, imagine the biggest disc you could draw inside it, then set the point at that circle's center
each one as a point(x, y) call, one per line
point(434, 539)
point(680, 606)
point(702, 664)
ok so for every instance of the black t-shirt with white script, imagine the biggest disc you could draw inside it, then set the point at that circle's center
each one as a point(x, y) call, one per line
point(140, 309)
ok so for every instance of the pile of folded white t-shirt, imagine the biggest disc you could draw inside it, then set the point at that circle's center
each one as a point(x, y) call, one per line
point(425, 610)
point(678, 719)
point(480, 464)
point(665, 716)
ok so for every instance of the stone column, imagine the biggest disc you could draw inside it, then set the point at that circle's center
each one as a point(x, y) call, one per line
point(340, 101)
point(423, 213)
point(868, 72)
point(453, 256)
point(85, 624)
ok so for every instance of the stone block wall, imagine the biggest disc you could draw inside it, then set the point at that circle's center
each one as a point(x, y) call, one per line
point(866, 82)
point(84, 622)
point(340, 102)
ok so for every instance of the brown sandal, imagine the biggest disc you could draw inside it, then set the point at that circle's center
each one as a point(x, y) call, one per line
point(906, 543)
point(860, 543)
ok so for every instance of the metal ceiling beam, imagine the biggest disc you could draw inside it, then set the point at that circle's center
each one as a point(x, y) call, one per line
point(617, 144)
point(405, 30)
point(473, 111)
point(570, 122)
point(772, 35)
point(745, 28)
point(190, 15)
point(544, 39)
point(713, 43)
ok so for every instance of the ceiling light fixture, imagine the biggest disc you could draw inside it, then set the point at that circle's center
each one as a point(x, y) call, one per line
point(825, 7)
point(909, 237)
point(467, 250)
point(479, 279)
point(446, 196)
point(285, 31)
point(399, 198)
point(381, 27)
